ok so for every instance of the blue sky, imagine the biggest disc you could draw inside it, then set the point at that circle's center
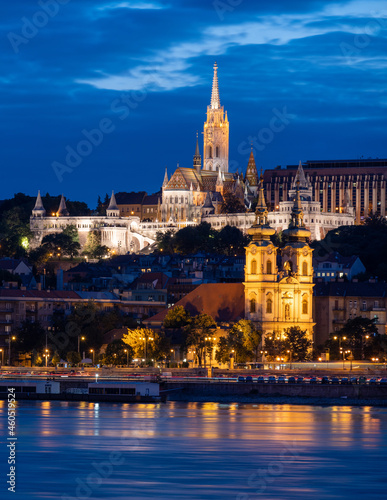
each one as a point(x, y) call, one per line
point(140, 72)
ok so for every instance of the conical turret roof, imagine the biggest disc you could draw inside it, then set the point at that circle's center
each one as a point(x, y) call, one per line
point(113, 203)
point(208, 201)
point(39, 208)
point(62, 210)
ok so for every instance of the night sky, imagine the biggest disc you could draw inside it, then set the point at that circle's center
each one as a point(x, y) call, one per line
point(303, 80)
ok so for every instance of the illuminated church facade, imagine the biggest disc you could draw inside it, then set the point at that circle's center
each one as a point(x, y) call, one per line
point(279, 282)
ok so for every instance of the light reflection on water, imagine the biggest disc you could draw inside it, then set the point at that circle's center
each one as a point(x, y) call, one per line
point(197, 451)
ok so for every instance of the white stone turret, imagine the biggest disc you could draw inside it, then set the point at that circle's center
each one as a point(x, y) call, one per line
point(38, 210)
point(112, 209)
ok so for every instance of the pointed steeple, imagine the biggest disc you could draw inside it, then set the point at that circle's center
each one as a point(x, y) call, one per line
point(62, 210)
point(297, 230)
point(219, 180)
point(38, 210)
point(300, 177)
point(215, 100)
point(261, 229)
point(197, 159)
point(165, 181)
point(251, 172)
point(112, 209)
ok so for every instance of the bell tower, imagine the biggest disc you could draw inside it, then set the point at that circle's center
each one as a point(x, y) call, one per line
point(216, 132)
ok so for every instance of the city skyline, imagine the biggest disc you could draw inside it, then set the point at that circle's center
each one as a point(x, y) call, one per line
point(301, 82)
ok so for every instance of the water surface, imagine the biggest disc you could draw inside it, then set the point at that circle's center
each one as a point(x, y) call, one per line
point(196, 451)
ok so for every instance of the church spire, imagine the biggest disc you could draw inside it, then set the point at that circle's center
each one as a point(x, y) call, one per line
point(62, 210)
point(38, 210)
point(251, 172)
point(165, 181)
point(197, 159)
point(215, 100)
point(297, 230)
point(261, 229)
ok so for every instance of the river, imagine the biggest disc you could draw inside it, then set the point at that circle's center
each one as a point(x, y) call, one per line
point(195, 451)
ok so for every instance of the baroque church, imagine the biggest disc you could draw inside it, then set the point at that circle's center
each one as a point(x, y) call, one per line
point(279, 282)
point(193, 192)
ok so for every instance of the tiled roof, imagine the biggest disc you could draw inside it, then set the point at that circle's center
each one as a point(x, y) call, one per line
point(182, 178)
point(223, 301)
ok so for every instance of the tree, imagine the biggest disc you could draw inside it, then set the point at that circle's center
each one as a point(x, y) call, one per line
point(140, 340)
point(231, 204)
point(232, 241)
point(222, 354)
point(199, 330)
point(73, 357)
point(359, 335)
point(56, 358)
point(63, 243)
point(93, 248)
point(297, 342)
point(177, 318)
point(252, 337)
point(30, 336)
point(275, 346)
point(116, 355)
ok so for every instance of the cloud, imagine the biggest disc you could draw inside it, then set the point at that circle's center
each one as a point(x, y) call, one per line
point(168, 69)
point(133, 5)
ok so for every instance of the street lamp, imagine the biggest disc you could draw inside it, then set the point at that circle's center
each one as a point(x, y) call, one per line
point(127, 357)
point(2, 357)
point(92, 351)
point(9, 347)
point(79, 343)
point(46, 356)
point(173, 354)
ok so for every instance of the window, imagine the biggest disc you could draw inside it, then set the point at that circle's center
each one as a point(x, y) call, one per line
point(217, 151)
point(269, 306)
point(254, 267)
point(209, 152)
point(268, 267)
point(253, 305)
point(305, 306)
point(305, 269)
point(364, 306)
point(376, 304)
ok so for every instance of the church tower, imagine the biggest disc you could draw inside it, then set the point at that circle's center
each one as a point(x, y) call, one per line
point(261, 268)
point(280, 297)
point(216, 130)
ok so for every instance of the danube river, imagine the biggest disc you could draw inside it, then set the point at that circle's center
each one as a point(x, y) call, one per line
point(196, 451)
